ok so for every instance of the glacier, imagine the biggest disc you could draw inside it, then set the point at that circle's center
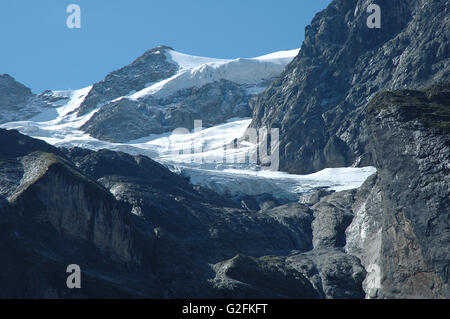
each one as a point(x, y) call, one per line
point(205, 165)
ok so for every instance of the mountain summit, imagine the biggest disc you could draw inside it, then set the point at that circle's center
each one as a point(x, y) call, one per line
point(365, 111)
point(318, 102)
point(165, 89)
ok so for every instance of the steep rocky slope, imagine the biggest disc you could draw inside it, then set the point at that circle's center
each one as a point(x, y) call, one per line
point(53, 216)
point(168, 238)
point(17, 102)
point(164, 90)
point(406, 214)
point(318, 103)
point(331, 113)
point(214, 103)
point(151, 67)
point(397, 223)
point(138, 230)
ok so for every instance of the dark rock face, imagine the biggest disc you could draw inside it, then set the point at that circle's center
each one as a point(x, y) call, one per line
point(17, 102)
point(13, 92)
point(320, 273)
point(408, 138)
point(125, 119)
point(151, 67)
point(332, 217)
point(142, 231)
point(51, 98)
point(399, 228)
point(397, 222)
point(335, 274)
point(139, 230)
point(52, 216)
point(318, 103)
point(248, 277)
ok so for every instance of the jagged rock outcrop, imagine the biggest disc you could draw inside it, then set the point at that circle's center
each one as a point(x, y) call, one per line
point(407, 135)
point(164, 90)
point(388, 239)
point(248, 277)
point(331, 218)
point(151, 67)
point(318, 103)
point(17, 102)
point(52, 215)
point(139, 230)
point(319, 273)
point(397, 222)
point(334, 273)
point(400, 225)
point(213, 104)
point(13, 93)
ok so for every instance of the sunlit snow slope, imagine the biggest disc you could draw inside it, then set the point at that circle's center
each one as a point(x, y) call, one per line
point(198, 71)
point(198, 154)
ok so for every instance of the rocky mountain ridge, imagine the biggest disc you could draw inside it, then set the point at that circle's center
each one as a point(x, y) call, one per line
point(164, 90)
point(180, 240)
point(65, 206)
point(407, 135)
point(319, 101)
point(139, 230)
point(18, 102)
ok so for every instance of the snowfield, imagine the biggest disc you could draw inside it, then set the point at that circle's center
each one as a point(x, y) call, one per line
point(194, 71)
point(198, 154)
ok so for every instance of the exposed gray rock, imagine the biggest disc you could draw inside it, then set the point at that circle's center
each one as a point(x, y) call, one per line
point(53, 216)
point(13, 93)
point(408, 139)
point(151, 67)
point(17, 102)
point(244, 277)
point(333, 214)
point(128, 212)
point(323, 273)
point(109, 211)
point(255, 203)
point(297, 218)
point(333, 273)
point(120, 117)
point(184, 225)
point(126, 120)
point(52, 98)
point(139, 230)
point(363, 236)
point(318, 103)
point(314, 197)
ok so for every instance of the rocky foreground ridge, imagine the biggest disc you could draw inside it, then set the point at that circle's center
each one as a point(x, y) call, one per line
point(139, 230)
point(19, 103)
point(179, 92)
point(353, 96)
point(319, 101)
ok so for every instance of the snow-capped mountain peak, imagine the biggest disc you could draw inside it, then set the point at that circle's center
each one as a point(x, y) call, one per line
point(188, 62)
point(195, 71)
point(186, 88)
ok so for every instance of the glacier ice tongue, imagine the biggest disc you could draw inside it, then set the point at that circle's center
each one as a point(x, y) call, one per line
point(205, 166)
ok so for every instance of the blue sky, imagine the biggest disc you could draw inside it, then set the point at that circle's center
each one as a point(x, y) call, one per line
point(40, 51)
